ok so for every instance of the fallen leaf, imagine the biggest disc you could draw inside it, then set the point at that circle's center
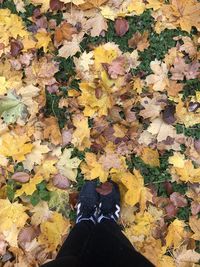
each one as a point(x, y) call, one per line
point(139, 41)
point(159, 80)
point(194, 224)
point(68, 166)
point(121, 26)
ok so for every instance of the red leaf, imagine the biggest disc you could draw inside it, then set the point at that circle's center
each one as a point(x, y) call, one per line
point(105, 188)
point(15, 48)
point(56, 5)
point(171, 210)
point(195, 208)
point(60, 181)
point(73, 199)
point(121, 26)
point(178, 200)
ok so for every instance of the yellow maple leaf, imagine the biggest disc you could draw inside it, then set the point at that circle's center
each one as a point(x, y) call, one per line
point(3, 85)
point(43, 39)
point(81, 135)
point(12, 213)
point(53, 230)
point(183, 13)
point(36, 156)
point(47, 168)
point(30, 187)
point(15, 146)
point(68, 166)
point(184, 116)
point(41, 213)
point(150, 156)
point(136, 6)
point(105, 54)
point(136, 192)
point(143, 224)
point(11, 26)
point(154, 4)
point(159, 79)
point(187, 173)
point(175, 233)
point(92, 169)
point(90, 101)
point(177, 160)
point(194, 224)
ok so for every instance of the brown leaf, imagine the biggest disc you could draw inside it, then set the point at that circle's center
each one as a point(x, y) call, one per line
point(105, 188)
point(21, 177)
point(116, 68)
point(121, 26)
point(60, 181)
point(174, 88)
point(52, 130)
point(197, 145)
point(168, 114)
point(178, 200)
point(64, 32)
point(139, 41)
point(56, 5)
point(168, 187)
point(171, 210)
point(27, 234)
point(73, 199)
point(15, 48)
point(195, 208)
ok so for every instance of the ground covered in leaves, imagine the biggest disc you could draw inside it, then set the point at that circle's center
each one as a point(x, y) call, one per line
point(100, 89)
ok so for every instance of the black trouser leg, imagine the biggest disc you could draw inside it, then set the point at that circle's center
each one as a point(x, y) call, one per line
point(69, 254)
point(108, 246)
point(77, 239)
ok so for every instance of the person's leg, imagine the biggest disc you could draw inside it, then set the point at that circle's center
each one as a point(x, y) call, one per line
point(77, 239)
point(108, 245)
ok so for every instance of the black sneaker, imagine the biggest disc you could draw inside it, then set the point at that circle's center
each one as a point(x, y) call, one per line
point(109, 202)
point(87, 202)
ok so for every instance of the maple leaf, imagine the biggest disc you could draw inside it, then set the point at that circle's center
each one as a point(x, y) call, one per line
point(52, 130)
point(68, 166)
point(184, 116)
point(43, 39)
point(154, 4)
point(183, 13)
point(105, 54)
point(194, 224)
point(70, 48)
point(11, 26)
point(184, 256)
point(159, 79)
point(152, 107)
point(136, 192)
point(161, 129)
point(92, 169)
point(14, 214)
point(150, 156)
point(15, 146)
point(175, 233)
point(41, 213)
point(136, 6)
point(47, 168)
point(11, 108)
point(139, 41)
point(28, 93)
point(36, 156)
point(52, 231)
point(81, 135)
point(30, 187)
point(96, 24)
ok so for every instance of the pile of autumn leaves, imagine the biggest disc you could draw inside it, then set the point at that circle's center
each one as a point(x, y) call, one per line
point(130, 115)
